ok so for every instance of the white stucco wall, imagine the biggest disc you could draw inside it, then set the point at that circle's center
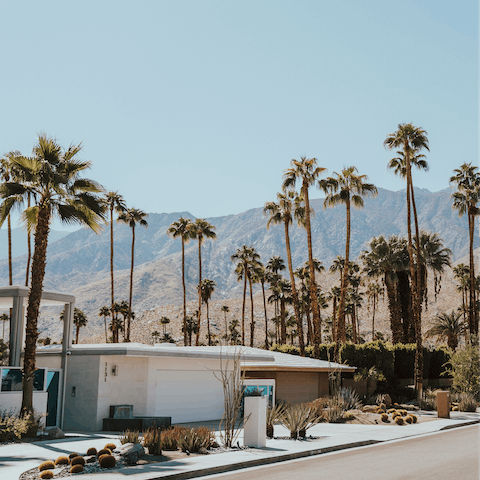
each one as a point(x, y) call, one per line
point(11, 402)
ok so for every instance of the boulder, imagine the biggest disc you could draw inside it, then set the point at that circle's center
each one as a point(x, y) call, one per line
point(130, 452)
point(387, 400)
point(56, 433)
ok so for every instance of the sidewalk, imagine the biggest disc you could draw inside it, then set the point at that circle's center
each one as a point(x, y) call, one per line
point(17, 458)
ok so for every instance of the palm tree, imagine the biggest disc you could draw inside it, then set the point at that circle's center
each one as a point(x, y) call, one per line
point(246, 257)
point(225, 310)
point(262, 276)
point(411, 140)
point(201, 230)
point(52, 177)
point(114, 202)
point(374, 290)
point(105, 312)
point(164, 322)
point(447, 326)
point(289, 206)
point(191, 327)
point(207, 288)
point(307, 172)
point(79, 320)
point(182, 228)
point(123, 309)
point(465, 200)
point(462, 274)
point(131, 217)
point(4, 318)
point(348, 188)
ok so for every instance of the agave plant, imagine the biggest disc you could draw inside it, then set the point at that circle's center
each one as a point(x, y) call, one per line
point(350, 398)
point(274, 415)
point(298, 419)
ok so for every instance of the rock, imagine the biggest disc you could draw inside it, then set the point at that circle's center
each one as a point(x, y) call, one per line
point(387, 400)
point(131, 452)
point(203, 450)
point(56, 433)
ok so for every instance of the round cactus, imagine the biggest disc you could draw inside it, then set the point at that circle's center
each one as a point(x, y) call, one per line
point(395, 414)
point(62, 460)
point(48, 465)
point(76, 469)
point(408, 419)
point(384, 417)
point(390, 410)
point(46, 474)
point(380, 410)
point(414, 418)
point(104, 451)
point(107, 461)
point(399, 420)
point(78, 461)
point(110, 446)
point(73, 455)
point(404, 413)
point(382, 405)
point(92, 451)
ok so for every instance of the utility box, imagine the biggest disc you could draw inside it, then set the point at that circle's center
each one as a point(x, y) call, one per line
point(443, 404)
point(254, 431)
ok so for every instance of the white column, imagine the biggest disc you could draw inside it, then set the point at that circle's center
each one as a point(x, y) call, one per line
point(255, 429)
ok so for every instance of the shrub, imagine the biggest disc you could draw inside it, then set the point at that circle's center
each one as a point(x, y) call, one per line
point(335, 409)
point(112, 446)
point(298, 419)
point(152, 441)
point(62, 461)
point(107, 461)
point(273, 416)
point(384, 417)
point(78, 468)
point(73, 455)
point(319, 405)
point(46, 474)
point(467, 402)
point(170, 437)
point(465, 369)
point(130, 436)
point(48, 465)
point(104, 451)
point(190, 441)
point(78, 461)
point(207, 436)
point(429, 399)
point(348, 416)
point(408, 419)
point(12, 426)
point(350, 398)
point(92, 451)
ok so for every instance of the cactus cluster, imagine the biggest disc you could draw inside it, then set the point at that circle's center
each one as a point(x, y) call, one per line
point(46, 474)
point(63, 460)
point(48, 465)
point(104, 451)
point(92, 451)
point(107, 461)
point(78, 461)
point(78, 468)
point(110, 446)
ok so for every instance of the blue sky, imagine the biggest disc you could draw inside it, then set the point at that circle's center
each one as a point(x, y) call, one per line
point(200, 105)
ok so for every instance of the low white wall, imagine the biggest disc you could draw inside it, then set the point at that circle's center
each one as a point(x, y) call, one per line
point(11, 402)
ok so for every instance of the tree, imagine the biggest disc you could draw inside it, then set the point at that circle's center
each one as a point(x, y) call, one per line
point(4, 318)
point(345, 188)
point(52, 177)
point(182, 229)
point(201, 230)
point(131, 217)
point(411, 140)
point(307, 172)
point(105, 312)
point(123, 309)
point(191, 327)
point(79, 320)
point(245, 258)
point(113, 201)
point(374, 290)
point(447, 326)
point(289, 205)
point(207, 288)
point(164, 322)
point(261, 275)
point(465, 200)
point(462, 275)
point(225, 310)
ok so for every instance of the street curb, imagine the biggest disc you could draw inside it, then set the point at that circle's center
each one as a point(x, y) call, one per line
point(448, 427)
point(263, 461)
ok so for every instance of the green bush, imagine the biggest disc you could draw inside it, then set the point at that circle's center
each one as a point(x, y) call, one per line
point(438, 358)
point(465, 369)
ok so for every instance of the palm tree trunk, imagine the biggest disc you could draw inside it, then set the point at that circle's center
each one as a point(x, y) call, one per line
point(244, 301)
point(199, 317)
point(111, 268)
point(9, 225)
point(184, 294)
point(105, 323)
point(76, 335)
point(341, 333)
point(296, 307)
point(252, 322)
point(34, 297)
point(471, 306)
point(265, 312)
point(283, 326)
point(29, 249)
point(208, 327)
point(131, 287)
point(373, 317)
point(317, 322)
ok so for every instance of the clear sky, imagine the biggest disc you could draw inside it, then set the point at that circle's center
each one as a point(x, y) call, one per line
point(200, 105)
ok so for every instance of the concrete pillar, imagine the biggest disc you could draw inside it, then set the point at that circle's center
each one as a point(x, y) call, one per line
point(255, 430)
point(443, 404)
point(66, 344)
point(17, 327)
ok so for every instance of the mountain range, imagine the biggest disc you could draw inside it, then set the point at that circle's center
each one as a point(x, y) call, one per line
point(78, 263)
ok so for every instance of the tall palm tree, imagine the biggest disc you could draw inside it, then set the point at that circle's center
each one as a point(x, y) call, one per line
point(132, 216)
point(465, 200)
point(206, 290)
point(245, 258)
point(262, 276)
point(307, 173)
point(105, 312)
point(374, 291)
point(201, 230)
point(114, 203)
point(462, 275)
point(345, 188)
point(79, 320)
point(411, 140)
point(52, 177)
point(289, 205)
point(447, 326)
point(182, 229)
point(225, 309)
point(164, 322)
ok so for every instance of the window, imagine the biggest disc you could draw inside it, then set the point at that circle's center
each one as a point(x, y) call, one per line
point(12, 380)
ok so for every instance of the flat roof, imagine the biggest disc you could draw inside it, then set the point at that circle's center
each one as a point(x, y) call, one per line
point(48, 298)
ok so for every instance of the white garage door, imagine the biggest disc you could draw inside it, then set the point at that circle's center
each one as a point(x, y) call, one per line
point(188, 396)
